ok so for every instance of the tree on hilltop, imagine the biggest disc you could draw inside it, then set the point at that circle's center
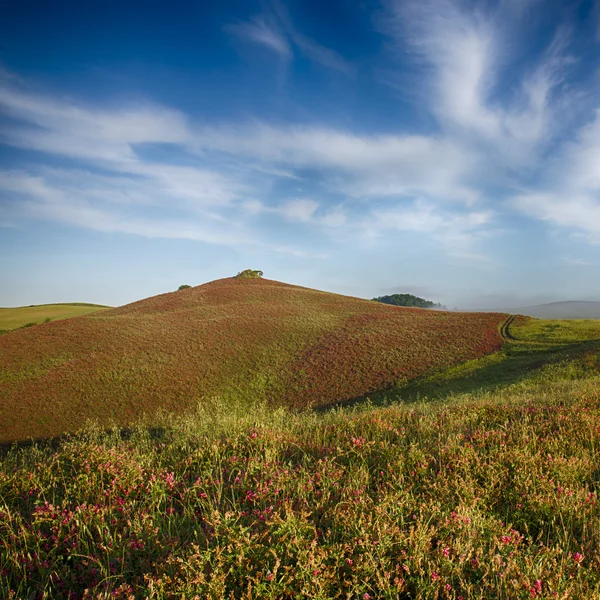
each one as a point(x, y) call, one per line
point(249, 274)
point(183, 287)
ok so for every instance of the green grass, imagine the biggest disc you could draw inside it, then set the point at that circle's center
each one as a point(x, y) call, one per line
point(14, 318)
point(541, 350)
point(486, 493)
point(238, 338)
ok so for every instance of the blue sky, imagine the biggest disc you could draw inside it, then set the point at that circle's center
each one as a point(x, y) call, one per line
point(445, 148)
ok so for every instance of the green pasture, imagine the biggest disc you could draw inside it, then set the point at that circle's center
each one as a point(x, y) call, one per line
point(13, 318)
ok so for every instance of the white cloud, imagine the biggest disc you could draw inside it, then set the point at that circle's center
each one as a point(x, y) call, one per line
point(276, 31)
point(464, 52)
point(93, 203)
point(113, 180)
point(299, 210)
point(258, 30)
point(377, 165)
point(458, 232)
point(576, 262)
point(569, 194)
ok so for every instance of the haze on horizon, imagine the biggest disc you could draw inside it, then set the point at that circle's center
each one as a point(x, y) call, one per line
point(445, 148)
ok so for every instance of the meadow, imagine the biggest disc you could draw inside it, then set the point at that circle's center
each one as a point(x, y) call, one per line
point(27, 316)
point(247, 340)
point(489, 490)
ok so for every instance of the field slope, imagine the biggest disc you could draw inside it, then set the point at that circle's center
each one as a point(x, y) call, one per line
point(239, 339)
point(23, 316)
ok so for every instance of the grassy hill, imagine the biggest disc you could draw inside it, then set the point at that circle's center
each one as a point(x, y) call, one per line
point(24, 316)
point(487, 493)
point(240, 339)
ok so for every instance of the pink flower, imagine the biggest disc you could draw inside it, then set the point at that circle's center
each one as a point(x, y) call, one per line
point(435, 576)
point(366, 596)
point(350, 561)
point(577, 557)
point(446, 551)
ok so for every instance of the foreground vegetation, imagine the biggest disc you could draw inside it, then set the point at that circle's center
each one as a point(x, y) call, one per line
point(27, 316)
point(243, 339)
point(490, 494)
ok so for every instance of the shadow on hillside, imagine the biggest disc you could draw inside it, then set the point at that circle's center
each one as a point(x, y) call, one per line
point(122, 433)
point(517, 362)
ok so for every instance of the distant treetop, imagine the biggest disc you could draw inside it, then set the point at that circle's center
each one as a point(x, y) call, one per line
point(183, 287)
point(407, 300)
point(249, 274)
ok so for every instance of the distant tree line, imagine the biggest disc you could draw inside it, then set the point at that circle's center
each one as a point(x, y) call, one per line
point(408, 300)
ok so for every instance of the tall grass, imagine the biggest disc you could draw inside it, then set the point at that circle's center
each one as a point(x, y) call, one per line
point(493, 496)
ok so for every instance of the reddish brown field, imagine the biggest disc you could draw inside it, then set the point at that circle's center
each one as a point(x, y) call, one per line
point(240, 339)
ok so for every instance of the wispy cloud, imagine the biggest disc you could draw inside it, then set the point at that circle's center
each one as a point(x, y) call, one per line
point(112, 186)
point(576, 262)
point(464, 54)
point(569, 192)
point(275, 30)
point(260, 31)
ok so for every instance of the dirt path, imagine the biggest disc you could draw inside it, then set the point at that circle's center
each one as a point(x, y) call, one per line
point(505, 328)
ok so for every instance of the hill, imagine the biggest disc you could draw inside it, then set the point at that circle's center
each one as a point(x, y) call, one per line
point(24, 316)
point(484, 494)
point(239, 339)
point(562, 310)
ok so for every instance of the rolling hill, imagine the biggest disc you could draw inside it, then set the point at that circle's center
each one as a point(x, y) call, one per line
point(238, 339)
point(562, 310)
point(23, 316)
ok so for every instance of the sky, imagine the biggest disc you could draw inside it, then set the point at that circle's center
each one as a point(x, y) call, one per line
point(445, 148)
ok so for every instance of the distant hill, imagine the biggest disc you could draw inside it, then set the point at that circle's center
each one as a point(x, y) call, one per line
point(25, 316)
point(239, 339)
point(561, 310)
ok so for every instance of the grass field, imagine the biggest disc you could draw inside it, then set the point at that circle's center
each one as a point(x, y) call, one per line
point(13, 318)
point(244, 340)
point(486, 488)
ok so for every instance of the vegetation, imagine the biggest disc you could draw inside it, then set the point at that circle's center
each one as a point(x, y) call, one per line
point(407, 300)
point(489, 494)
point(183, 287)
point(244, 340)
point(249, 274)
point(26, 316)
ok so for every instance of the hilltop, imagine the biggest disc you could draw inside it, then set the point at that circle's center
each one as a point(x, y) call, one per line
point(238, 339)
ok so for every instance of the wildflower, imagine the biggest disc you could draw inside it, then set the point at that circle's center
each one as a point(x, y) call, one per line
point(446, 551)
point(578, 558)
point(435, 576)
point(170, 479)
point(366, 596)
